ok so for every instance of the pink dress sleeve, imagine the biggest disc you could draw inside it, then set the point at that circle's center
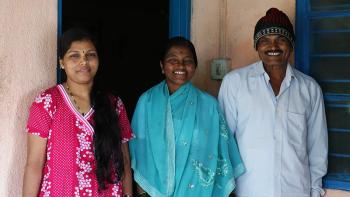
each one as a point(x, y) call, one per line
point(40, 115)
point(124, 123)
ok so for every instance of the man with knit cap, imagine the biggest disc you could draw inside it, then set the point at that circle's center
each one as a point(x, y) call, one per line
point(278, 117)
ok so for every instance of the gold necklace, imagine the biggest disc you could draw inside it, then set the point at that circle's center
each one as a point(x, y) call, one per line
point(74, 101)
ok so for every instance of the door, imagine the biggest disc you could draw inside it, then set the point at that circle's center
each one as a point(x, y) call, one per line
point(130, 33)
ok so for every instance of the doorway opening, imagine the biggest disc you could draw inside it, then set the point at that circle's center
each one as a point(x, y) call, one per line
point(130, 35)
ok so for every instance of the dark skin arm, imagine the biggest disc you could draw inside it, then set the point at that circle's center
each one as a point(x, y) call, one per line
point(127, 179)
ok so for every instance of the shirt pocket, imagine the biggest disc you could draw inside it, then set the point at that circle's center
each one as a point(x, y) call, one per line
point(297, 132)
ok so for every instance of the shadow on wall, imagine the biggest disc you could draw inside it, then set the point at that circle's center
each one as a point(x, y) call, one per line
point(19, 144)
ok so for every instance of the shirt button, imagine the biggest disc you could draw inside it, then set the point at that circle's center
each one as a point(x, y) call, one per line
point(191, 186)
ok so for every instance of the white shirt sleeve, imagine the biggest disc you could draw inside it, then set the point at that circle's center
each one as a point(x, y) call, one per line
point(317, 143)
point(227, 101)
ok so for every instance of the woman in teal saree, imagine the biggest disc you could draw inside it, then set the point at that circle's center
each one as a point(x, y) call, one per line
point(183, 146)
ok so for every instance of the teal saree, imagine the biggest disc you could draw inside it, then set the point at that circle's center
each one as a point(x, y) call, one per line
point(183, 146)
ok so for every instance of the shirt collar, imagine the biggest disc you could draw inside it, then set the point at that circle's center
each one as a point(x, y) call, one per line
point(289, 74)
point(259, 70)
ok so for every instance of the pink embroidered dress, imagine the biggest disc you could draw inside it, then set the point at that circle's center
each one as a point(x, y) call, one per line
point(70, 166)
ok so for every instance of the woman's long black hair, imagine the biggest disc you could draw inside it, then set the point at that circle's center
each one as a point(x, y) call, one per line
point(107, 136)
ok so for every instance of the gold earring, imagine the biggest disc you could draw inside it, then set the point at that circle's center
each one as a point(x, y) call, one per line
point(62, 67)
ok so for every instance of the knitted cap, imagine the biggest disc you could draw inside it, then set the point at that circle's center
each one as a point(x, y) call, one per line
point(274, 22)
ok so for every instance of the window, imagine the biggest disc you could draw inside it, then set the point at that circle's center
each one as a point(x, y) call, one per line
point(323, 51)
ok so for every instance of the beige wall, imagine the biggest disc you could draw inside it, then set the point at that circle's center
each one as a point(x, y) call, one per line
point(237, 42)
point(27, 64)
point(337, 193)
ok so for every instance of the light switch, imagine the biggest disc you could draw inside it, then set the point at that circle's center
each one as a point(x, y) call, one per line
point(219, 67)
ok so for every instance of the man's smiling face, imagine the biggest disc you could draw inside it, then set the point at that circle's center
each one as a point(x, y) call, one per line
point(274, 50)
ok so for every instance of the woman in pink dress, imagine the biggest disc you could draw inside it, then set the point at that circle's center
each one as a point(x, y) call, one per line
point(78, 134)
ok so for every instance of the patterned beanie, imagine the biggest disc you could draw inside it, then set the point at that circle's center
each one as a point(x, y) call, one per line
point(274, 22)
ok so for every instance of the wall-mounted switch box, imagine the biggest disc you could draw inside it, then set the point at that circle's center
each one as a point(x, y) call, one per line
point(219, 67)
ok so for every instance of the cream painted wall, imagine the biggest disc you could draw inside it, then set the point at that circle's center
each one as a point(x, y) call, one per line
point(241, 17)
point(27, 64)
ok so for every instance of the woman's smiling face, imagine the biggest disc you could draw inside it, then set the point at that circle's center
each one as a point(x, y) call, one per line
point(178, 67)
point(80, 62)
